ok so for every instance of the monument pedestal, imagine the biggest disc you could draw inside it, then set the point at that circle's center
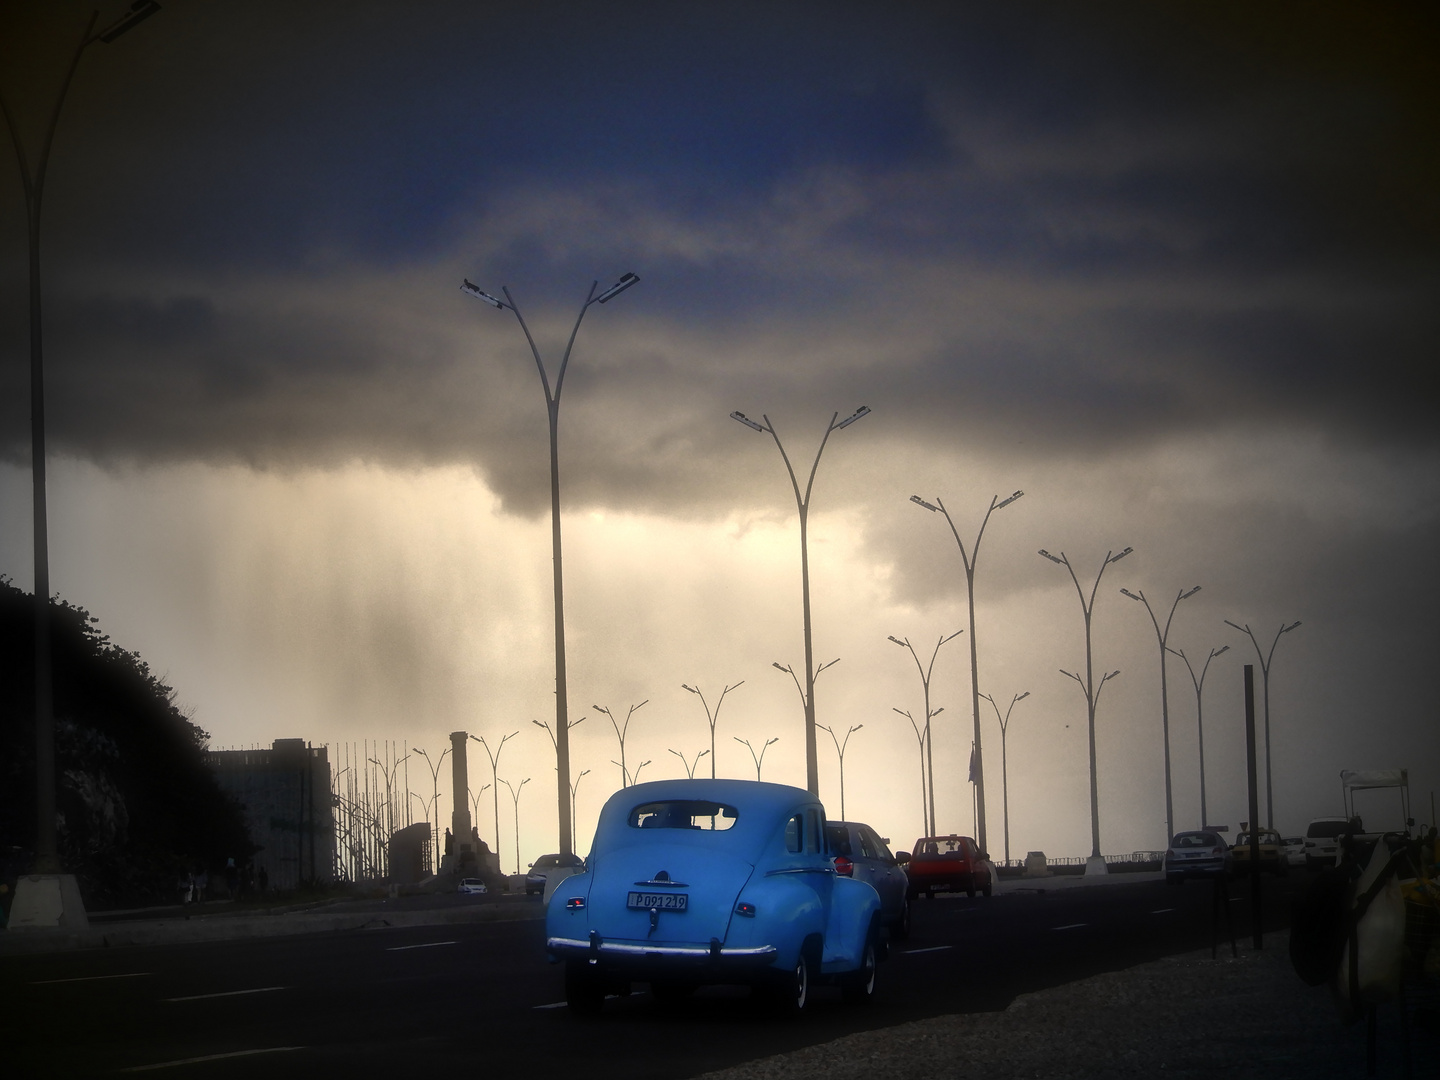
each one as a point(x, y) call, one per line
point(47, 902)
point(1095, 865)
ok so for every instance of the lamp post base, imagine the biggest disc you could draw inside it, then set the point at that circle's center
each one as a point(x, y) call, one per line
point(1095, 866)
point(47, 902)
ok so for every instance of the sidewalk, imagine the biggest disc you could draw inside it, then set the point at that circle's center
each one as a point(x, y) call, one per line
point(218, 925)
point(1186, 1016)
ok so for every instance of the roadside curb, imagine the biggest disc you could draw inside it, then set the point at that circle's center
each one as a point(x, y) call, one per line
point(239, 928)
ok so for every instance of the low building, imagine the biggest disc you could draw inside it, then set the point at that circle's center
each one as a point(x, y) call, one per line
point(285, 793)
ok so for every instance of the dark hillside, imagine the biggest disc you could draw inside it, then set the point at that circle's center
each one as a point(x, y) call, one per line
point(137, 803)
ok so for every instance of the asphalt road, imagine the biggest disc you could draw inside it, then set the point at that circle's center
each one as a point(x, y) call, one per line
point(482, 996)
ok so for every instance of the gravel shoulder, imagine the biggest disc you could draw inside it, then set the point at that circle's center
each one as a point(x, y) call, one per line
point(1183, 1016)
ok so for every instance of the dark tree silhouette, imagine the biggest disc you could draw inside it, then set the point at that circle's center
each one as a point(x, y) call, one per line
point(136, 803)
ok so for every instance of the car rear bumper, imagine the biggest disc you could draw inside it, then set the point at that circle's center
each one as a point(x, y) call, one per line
point(642, 960)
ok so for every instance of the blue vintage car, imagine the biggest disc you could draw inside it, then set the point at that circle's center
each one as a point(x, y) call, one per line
point(713, 881)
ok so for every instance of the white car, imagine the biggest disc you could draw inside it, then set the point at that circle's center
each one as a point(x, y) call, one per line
point(1294, 848)
point(1322, 840)
point(472, 886)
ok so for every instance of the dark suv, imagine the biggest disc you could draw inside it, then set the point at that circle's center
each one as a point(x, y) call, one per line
point(857, 851)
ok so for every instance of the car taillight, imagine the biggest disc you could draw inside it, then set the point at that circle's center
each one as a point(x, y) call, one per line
point(748, 910)
point(843, 866)
point(1219, 850)
point(575, 903)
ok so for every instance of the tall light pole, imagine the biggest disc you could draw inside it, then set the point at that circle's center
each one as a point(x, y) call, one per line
point(760, 758)
point(1265, 659)
point(929, 751)
point(996, 503)
point(47, 856)
point(435, 767)
point(925, 823)
point(1004, 765)
point(620, 732)
point(495, 784)
point(555, 745)
point(552, 405)
point(1200, 715)
point(389, 775)
point(574, 789)
point(802, 504)
point(713, 718)
point(691, 766)
point(1162, 636)
point(1092, 693)
point(515, 796)
point(840, 746)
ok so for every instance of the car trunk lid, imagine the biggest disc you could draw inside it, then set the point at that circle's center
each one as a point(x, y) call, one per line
point(709, 880)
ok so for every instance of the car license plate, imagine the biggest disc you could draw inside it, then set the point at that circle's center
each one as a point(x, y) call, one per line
point(666, 901)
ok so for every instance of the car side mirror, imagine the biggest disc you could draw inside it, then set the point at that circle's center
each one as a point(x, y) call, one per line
point(902, 857)
point(984, 856)
point(531, 865)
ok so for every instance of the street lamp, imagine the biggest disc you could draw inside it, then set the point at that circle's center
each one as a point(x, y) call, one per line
point(389, 775)
point(620, 731)
point(929, 749)
point(920, 738)
point(574, 789)
point(689, 765)
point(1200, 715)
point(1004, 766)
point(938, 507)
point(840, 750)
point(435, 787)
point(1265, 659)
point(495, 785)
point(47, 858)
point(812, 769)
point(1162, 636)
point(552, 405)
point(515, 796)
point(759, 760)
point(1092, 693)
point(713, 718)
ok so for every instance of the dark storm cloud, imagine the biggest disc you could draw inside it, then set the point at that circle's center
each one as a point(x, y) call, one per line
point(1070, 228)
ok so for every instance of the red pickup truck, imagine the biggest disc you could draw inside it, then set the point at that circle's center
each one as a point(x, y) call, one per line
point(947, 862)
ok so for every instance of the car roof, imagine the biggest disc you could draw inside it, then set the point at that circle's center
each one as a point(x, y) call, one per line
point(760, 803)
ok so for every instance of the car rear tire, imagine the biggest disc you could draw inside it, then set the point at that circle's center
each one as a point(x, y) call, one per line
point(900, 928)
point(989, 887)
point(792, 991)
point(970, 889)
point(858, 987)
point(584, 992)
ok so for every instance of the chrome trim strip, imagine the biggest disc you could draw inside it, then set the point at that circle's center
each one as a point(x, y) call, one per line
point(801, 870)
point(697, 952)
point(666, 884)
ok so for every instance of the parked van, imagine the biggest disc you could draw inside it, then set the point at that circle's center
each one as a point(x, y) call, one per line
point(1322, 840)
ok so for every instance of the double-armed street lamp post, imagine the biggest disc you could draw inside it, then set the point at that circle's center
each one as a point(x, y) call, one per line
point(712, 718)
point(495, 782)
point(802, 503)
point(690, 766)
point(926, 825)
point(1004, 765)
point(1162, 636)
point(1200, 715)
point(1091, 691)
point(47, 856)
point(515, 790)
point(928, 750)
point(759, 759)
point(969, 559)
point(620, 731)
point(435, 768)
point(552, 405)
point(574, 791)
point(1265, 659)
point(840, 745)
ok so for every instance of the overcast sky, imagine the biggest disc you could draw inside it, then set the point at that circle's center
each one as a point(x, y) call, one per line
point(1170, 272)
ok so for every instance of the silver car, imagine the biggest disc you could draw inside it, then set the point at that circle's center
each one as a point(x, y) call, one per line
point(857, 851)
point(1200, 853)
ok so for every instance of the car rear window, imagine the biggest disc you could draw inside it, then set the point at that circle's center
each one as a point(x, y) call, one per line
point(1195, 839)
point(838, 838)
point(684, 814)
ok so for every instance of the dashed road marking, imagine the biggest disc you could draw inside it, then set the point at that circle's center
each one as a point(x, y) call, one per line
point(426, 945)
point(91, 978)
point(562, 1004)
point(932, 948)
point(1161, 911)
point(1070, 926)
point(210, 1057)
point(229, 993)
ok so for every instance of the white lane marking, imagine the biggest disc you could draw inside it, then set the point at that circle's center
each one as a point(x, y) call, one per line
point(932, 948)
point(91, 978)
point(210, 1057)
point(562, 1004)
point(1070, 926)
point(426, 945)
point(1161, 911)
point(228, 993)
